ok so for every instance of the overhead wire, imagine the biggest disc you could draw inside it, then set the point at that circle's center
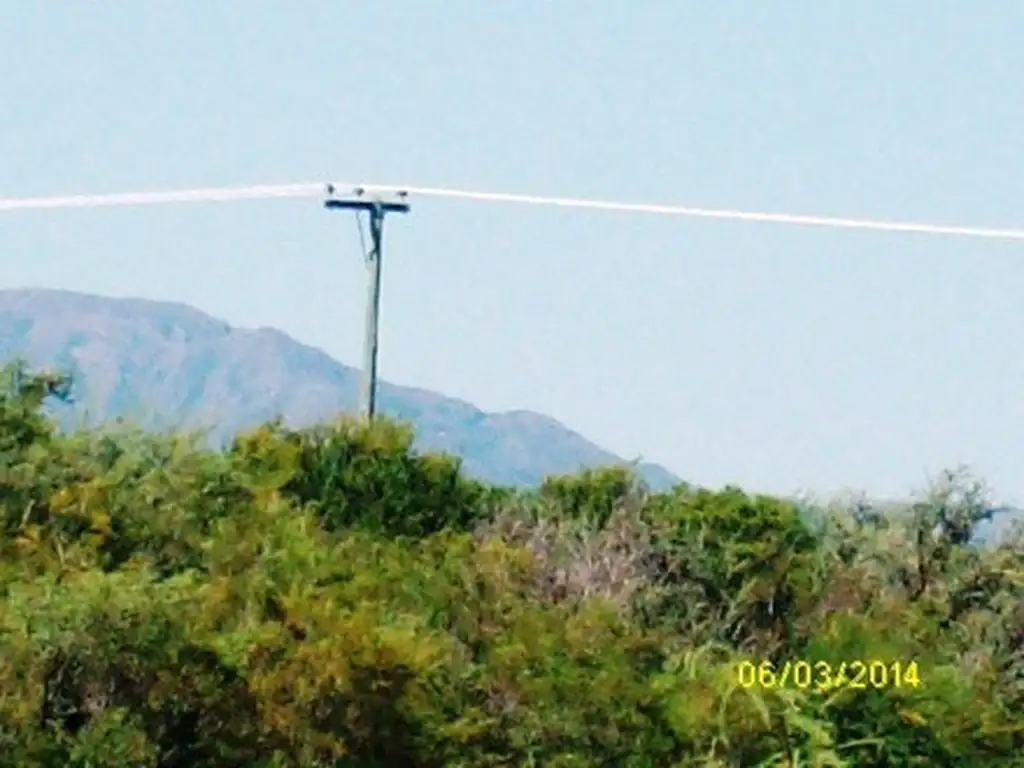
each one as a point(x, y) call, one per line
point(269, 191)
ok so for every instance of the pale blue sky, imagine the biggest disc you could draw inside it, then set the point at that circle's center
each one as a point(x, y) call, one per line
point(776, 357)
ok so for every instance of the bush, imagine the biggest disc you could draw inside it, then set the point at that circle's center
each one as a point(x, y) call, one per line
point(330, 597)
point(356, 475)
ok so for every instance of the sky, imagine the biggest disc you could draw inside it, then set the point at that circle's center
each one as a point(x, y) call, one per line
point(779, 358)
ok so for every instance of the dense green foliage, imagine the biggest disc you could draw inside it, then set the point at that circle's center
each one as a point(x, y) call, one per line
point(328, 597)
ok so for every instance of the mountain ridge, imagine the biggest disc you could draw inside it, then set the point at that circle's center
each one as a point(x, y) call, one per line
point(180, 366)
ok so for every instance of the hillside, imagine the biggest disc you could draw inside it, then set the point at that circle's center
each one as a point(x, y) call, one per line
point(164, 364)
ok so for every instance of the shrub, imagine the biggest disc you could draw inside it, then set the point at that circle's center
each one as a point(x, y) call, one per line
point(330, 597)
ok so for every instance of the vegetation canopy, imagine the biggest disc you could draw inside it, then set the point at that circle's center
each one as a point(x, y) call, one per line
point(330, 597)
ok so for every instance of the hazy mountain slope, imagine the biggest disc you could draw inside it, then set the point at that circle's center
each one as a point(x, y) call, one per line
point(166, 364)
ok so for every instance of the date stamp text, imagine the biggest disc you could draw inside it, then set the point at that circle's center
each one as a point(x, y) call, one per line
point(825, 676)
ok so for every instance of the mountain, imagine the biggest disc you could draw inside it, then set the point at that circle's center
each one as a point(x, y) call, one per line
point(163, 364)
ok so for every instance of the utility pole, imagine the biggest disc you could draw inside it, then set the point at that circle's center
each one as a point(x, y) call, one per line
point(377, 210)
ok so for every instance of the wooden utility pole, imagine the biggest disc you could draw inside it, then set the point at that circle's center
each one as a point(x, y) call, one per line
point(377, 210)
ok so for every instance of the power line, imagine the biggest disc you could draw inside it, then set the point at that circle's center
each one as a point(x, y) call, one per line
point(207, 195)
point(314, 190)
